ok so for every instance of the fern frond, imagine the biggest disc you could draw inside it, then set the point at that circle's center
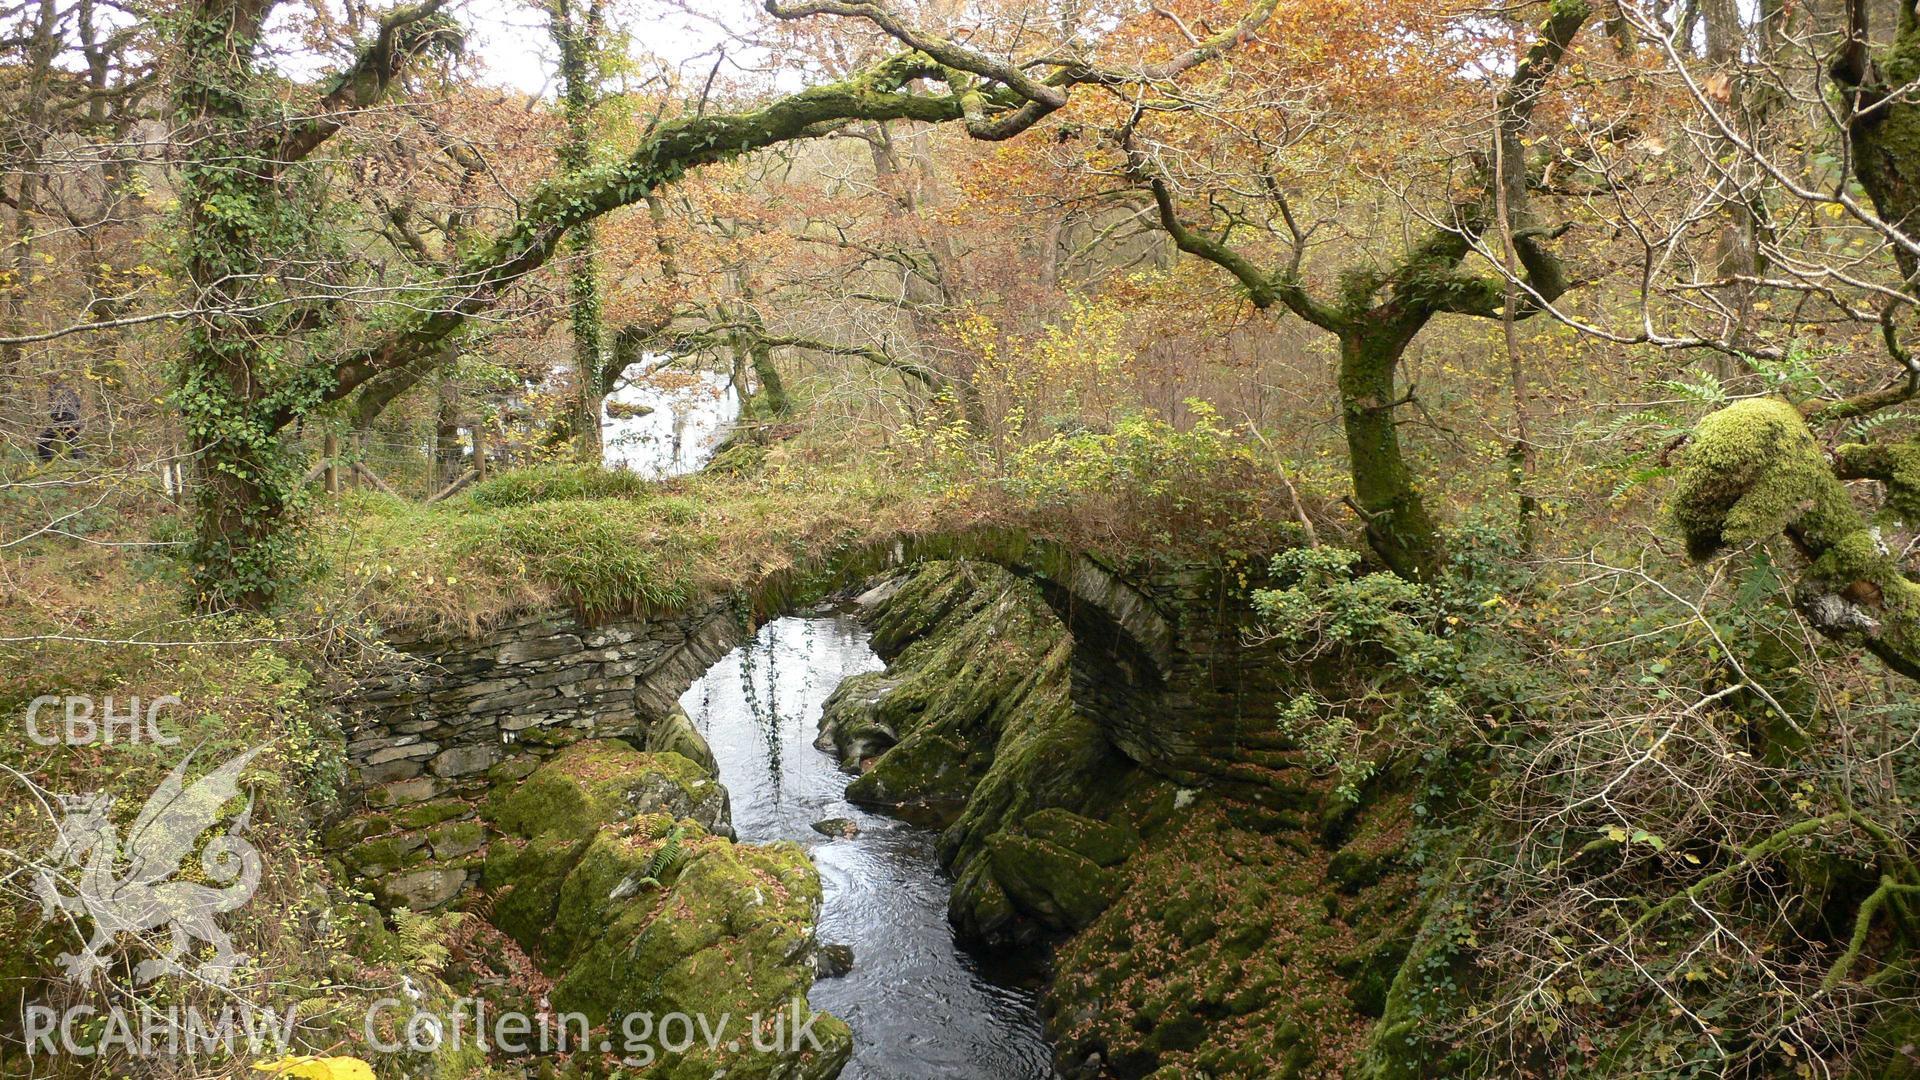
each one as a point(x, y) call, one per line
point(1638, 478)
point(1705, 389)
point(1867, 425)
point(667, 859)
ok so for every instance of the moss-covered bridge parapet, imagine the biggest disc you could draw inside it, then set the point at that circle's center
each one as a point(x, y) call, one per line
point(1159, 660)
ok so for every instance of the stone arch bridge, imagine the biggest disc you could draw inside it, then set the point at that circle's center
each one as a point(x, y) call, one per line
point(1160, 660)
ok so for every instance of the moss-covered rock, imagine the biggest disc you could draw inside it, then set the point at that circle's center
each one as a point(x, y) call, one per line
point(1059, 888)
point(612, 876)
point(1429, 989)
point(423, 887)
point(735, 920)
point(360, 827)
point(385, 854)
point(1057, 760)
point(964, 640)
point(598, 781)
point(727, 939)
point(850, 724)
point(424, 815)
point(676, 735)
point(974, 714)
point(456, 838)
point(979, 908)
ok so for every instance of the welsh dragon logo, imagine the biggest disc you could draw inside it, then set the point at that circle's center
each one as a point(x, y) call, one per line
point(87, 874)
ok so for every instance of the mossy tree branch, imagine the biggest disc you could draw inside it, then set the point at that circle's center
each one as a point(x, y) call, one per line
point(878, 94)
point(1265, 289)
point(1753, 472)
point(403, 36)
point(996, 99)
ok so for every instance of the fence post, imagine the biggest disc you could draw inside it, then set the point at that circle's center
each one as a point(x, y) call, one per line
point(330, 452)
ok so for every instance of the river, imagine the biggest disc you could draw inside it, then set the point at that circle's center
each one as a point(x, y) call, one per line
point(683, 416)
point(921, 1007)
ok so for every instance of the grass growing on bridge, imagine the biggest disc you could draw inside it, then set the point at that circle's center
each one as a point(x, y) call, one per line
point(609, 544)
point(471, 561)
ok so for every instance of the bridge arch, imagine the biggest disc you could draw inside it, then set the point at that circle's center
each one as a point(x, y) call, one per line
point(1158, 648)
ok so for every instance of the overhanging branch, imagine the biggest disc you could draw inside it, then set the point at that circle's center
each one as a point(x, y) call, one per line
point(404, 35)
point(877, 94)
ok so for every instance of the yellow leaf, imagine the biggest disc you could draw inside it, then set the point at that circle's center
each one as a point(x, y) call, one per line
point(318, 1068)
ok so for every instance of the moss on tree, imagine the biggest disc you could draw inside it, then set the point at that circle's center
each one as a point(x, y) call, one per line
point(1754, 471)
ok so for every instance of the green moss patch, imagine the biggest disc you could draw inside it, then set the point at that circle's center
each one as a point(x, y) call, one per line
point(612, 875)
point(597, 781)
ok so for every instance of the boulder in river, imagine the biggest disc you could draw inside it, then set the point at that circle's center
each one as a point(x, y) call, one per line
point(837, 827)
point(616, 867)
point(832, 961)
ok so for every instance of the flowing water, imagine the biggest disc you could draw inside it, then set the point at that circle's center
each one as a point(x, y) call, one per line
point(683, 416)
point(921, 1008)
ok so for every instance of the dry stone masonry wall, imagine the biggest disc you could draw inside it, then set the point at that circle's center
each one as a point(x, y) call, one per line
point(428, 739)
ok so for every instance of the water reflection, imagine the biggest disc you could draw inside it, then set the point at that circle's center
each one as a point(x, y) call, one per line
point(921, 1008)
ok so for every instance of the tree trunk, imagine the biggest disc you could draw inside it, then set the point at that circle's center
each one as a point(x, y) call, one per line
point(1511, 182)
point(446, 434)
point(1399, 529)
point(574, 32)
point(235, 216)
point(773, 391)
point(1886, 139)
point(583, 297)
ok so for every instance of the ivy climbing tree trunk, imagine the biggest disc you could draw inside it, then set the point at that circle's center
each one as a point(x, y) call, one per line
point(233, 213)
point(576, 32)
point(247, 206)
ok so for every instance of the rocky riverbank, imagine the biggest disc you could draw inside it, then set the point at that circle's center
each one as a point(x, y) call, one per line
point(1193, 932)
